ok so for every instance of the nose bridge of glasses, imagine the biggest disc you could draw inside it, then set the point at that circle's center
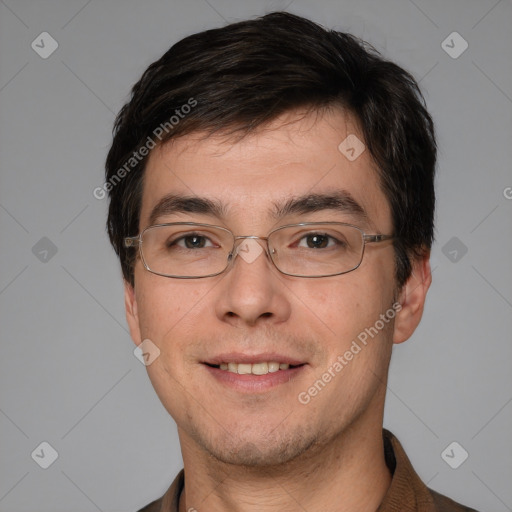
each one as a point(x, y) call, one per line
point(250, 247)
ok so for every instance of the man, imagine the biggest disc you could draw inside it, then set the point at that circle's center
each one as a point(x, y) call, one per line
point(271, 201)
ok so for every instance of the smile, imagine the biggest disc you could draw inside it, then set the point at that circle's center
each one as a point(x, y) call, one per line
point(255, 369)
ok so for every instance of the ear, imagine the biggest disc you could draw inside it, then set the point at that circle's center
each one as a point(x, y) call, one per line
point(132, 315)
point(412, 299)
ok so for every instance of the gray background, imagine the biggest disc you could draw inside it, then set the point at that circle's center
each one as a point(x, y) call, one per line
point(68, 375)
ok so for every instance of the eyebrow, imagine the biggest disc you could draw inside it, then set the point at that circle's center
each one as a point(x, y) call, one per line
point(172, 204)
point(340, 201)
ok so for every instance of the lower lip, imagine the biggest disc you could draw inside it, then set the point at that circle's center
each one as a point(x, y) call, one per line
point(250, 383)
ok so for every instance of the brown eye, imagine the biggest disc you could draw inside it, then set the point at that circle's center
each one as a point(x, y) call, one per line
point(317, 241)
point(191, 241)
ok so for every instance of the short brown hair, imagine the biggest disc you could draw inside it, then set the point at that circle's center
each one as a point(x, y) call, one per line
point(244, 75)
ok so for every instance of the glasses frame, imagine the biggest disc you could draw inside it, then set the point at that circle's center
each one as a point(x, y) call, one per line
point(137, 241)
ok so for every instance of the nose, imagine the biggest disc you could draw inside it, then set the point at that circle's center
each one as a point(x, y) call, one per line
point(251, 291)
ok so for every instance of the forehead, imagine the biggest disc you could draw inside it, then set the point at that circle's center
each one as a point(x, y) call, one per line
point(295, 155)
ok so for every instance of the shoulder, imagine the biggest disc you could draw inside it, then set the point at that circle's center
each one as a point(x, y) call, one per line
point(407, 491)
point(445, 504)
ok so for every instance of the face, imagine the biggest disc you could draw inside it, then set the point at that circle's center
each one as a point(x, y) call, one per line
point(252, 313)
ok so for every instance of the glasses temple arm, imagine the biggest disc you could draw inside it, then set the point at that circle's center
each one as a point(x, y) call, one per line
point(377, 238)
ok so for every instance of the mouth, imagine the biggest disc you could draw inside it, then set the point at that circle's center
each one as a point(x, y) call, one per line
point(256, 373)
point(260, 368)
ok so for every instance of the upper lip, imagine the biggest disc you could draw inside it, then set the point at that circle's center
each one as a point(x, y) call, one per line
point(238, 357)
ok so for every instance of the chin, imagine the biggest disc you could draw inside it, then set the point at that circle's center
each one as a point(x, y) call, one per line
point(257, 450)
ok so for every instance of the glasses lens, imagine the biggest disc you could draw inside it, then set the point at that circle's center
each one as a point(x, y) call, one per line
point(185, 250)
point(316, 250)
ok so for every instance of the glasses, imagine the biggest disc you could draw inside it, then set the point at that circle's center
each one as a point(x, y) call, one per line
point(190, 250)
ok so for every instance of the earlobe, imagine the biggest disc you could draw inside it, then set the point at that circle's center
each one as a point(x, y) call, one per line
point(132, 315)
point(412, 299)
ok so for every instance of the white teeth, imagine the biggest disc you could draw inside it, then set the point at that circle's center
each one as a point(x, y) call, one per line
point(244, 369)
point(273, 367)
point(258, 368)
point(254, 369)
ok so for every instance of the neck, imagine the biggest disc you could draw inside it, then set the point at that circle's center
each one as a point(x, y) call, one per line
point(348, 473)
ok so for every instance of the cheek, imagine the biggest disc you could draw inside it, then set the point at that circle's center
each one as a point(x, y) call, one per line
point(168, 316)
point(332, 301)
point(344, 306)
point(165, 305)
point(172, 314)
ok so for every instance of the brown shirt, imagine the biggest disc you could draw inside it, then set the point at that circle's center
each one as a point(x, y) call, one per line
point(407, 493)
